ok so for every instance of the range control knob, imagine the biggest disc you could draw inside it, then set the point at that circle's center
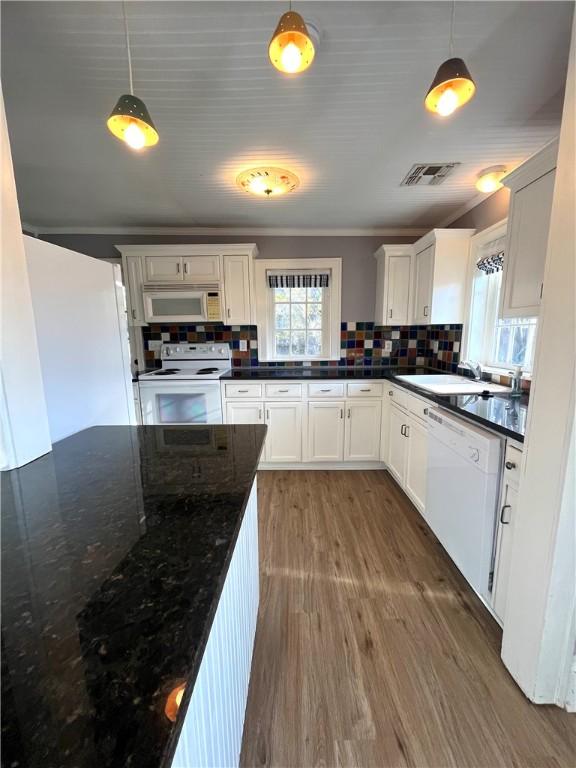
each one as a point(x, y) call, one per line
point(475, 454)
point(212, 349)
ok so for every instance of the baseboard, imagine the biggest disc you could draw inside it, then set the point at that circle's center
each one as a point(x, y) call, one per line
point(318, 465)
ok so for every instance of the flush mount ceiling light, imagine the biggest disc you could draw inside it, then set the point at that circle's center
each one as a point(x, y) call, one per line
point(453, 85)
point(490, 179)
point(267, 181)
point(291, 48)
point(130, 120)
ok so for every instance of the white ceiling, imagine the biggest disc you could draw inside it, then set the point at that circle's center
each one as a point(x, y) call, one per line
point(351, 126)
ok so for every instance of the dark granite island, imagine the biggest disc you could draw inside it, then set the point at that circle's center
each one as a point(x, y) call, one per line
point(129, 570)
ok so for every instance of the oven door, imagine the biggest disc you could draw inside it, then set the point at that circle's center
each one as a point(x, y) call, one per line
point(181, 402)
point(175, 306)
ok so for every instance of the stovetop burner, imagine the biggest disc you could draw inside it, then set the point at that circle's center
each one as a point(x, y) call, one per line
point(205, 371)
point(166, 371)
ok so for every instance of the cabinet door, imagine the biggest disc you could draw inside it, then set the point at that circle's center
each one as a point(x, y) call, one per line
point(244, 413)
point(397, 444)
point(398, 292)
point(163, 269)
point(424, 275)
point(284, 438)
point(527, 243)
point(201, 269)
point(416, 462)
point(134, 284)
point(237, 290)
point(326, 431)
point(506, 522)
point(362, 432)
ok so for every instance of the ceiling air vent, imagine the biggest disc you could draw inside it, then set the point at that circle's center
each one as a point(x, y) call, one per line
point(425, 174)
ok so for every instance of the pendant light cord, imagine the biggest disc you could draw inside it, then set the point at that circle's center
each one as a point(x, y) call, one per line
point(452, 29)
point(128, 47)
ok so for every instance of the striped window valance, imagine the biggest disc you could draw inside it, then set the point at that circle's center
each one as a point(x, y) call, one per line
point(492, 256)
point(298, 280)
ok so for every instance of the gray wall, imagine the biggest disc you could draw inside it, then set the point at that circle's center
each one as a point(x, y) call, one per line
point(488, 212)
point(357, 254)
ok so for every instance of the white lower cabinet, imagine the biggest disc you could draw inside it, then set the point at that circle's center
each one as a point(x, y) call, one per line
point(416, 462)
point(362, 433)
point(284, 438)
point(408, 454)
point(325, 431)
point(244, 413)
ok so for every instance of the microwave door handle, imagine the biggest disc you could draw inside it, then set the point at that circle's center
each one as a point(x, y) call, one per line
point(205, 305)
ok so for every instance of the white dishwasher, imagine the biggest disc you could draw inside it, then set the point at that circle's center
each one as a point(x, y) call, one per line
point(464, 467)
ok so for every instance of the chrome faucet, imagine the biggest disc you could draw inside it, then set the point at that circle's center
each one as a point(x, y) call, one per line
point(476, 368)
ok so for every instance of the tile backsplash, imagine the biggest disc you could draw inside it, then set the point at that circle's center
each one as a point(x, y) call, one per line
point(362, 344)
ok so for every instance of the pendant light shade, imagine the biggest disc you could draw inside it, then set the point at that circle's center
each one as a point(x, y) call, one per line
point(291, 49)
point(130, 121)
point(451, 88)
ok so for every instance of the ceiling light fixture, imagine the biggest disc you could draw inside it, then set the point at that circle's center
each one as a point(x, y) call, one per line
point(453, 85)
point(490, 179)
point(267, 181)
point(291, 49)
point(130, 120)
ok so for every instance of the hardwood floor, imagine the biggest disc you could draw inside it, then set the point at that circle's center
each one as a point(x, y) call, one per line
point(371, 650)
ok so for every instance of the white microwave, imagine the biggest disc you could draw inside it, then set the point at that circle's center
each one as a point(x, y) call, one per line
point(183, 306)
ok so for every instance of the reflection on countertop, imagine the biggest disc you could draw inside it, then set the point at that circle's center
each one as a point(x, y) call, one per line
point(115, 547)
point(506, 413)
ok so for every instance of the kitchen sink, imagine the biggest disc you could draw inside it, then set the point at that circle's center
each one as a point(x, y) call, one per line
point(444, 384)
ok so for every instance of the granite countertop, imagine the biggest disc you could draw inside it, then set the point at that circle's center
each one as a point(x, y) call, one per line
point(503, 413)
point(115, 547)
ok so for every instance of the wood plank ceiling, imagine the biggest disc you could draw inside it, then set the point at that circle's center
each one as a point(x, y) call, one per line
point(351, 126)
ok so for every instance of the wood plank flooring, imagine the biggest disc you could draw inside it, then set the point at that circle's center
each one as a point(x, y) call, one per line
point(371, 650)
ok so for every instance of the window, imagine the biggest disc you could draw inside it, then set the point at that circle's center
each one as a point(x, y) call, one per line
point(298, 318)
point(493, 341)
point(298, 309)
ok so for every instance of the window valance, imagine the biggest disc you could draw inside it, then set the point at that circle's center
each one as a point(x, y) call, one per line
point(298, 280)
point(492, 256)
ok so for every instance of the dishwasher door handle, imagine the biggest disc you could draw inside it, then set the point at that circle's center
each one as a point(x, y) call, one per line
point(502, 511)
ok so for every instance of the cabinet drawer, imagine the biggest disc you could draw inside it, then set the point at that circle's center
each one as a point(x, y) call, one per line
point(283, 390)
point(512, 464)
point(397, 395)
point(243, 390)
point(417, 406)
point(364, 389)
point(326, 389)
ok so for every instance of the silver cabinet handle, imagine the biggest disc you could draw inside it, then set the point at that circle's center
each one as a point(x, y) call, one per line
point(283, 391)
point(402, 430)
point(341, 413)
point(348, 412)
point(502, 511)
point(185, 267)
point(366, 390)
point(178, 267)
point(407, 433)
point(425, 411)
point(267, 415)
point(228, 313)
point(134, 314)
point(390, 313)
point(426, 311)
point(325, 390)
point(391, 393)
point(510, 465)
point(260, 414)
point(242, 391)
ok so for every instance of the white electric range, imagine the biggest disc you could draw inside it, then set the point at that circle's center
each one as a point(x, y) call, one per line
point(185, 390)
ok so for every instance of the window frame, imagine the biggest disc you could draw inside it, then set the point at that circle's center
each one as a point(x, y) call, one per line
point(488, 364)
point(265, 306)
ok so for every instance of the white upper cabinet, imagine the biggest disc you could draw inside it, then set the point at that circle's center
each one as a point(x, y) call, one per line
point(237, 289)
point(163, 269)
point(440, 267)
point(532, 189)
point(393, 282)
point(201, 269)
point(134, 279)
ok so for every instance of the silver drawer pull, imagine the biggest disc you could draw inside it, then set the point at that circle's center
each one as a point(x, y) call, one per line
point(283, 390)
point(325, 390)
point(365, 390)
point(502, 512)
point(243, 391)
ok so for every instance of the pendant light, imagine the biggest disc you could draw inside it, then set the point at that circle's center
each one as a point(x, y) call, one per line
point(453, 85)
point(130, 120)
point(291, 49)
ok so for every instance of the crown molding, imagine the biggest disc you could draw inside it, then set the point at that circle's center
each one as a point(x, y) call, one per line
point(227, 231)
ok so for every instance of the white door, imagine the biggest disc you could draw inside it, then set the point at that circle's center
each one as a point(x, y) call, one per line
point(527, 244)
point(284, 438)
point(326, 431)
point(506, 522)
point(163, 269)
point(134, 281)
point(424, 275)
point(416, 462)
point(397, 444)
point(398, 290)
point(237, 289)
point(244, 413)
point(201, 269)
point(362, 433)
